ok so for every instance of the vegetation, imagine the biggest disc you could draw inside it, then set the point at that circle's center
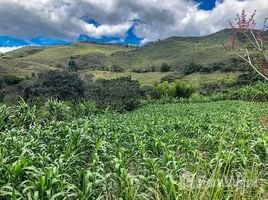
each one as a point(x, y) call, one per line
point(176, 52)
point(55, 84)
point(255, 92)
point(186, 151)
point(248, 43)
point(193, 131)
point(165, 67)
point(120, 94)
point(176, 89)
point(72, 66)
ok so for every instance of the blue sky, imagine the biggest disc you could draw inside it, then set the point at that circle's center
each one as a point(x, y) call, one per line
point(50, 22)
point(206, 4)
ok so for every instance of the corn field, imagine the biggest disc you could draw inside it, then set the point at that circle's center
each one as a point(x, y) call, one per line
point(196, 151)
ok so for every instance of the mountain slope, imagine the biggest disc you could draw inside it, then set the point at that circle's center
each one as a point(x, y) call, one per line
point(176, 51)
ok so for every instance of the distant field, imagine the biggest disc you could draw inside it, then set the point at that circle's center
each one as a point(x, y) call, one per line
point(150, 78)
point(144, 78)
point(212, 77)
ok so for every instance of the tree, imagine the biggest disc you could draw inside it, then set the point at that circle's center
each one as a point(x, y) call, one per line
point(121, 93)
point(248, 43)
point(55, 84)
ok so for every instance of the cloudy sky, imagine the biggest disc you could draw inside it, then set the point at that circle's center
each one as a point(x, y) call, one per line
point(133, 21)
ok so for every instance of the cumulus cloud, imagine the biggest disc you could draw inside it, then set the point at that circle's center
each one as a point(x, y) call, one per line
point(157, 19)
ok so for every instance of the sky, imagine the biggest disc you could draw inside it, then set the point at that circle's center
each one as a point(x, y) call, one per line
point(48, 22)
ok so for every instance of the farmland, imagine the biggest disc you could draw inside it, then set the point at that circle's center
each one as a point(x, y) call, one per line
point(214, 150)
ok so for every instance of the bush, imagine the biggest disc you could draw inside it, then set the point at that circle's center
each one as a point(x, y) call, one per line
point(55, 84)
point(165, 67)
point(120, 94)
point(176, 89)
point(192, 68)
point(11, 79)
point(166, 89)
point(247, 78)
point(255, 92)
point(150, 92)
point(184, 90)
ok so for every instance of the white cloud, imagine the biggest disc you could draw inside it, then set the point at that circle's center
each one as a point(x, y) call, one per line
point(160, 19)
point(8, 49)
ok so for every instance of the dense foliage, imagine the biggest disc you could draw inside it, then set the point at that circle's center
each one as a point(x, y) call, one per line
point(10, 79)
point(165, 67)
point(176, 151)
point(230, 65)
point(55, 84)
point(254, 92)
point(120, 94)
point(176, 89)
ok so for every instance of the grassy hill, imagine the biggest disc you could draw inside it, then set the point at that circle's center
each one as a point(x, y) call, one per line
point(175, 51)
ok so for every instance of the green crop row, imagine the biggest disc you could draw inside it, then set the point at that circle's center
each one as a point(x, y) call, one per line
point(215, 150)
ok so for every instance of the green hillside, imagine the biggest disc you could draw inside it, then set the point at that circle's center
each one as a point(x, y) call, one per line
point(175, 51)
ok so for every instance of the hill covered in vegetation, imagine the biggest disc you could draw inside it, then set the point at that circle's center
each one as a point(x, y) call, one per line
point(175, 51)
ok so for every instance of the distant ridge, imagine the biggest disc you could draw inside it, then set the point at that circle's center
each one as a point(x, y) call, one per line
point(175, 51)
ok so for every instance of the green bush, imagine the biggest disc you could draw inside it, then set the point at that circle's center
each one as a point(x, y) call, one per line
point(165, 68)
point(184, 90)
point(11, 79)
point(166, 89)
point(56, 85)
point(256, 92)
point(176, 89)
point(192, 68)
point(150, 92)
point(120, 94)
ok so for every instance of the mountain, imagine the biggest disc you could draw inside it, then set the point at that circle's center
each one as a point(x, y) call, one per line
point(175, 51)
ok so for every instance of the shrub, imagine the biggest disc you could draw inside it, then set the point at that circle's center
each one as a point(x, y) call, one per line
point(192, 68)
point(120, 94)
point(184, 90)
point(11, 79)
point(150, 92)
point(254, 92)
point(55, 84)
point(166, 89)
point(176, 89)
point(247, 78)
point(165, 67)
